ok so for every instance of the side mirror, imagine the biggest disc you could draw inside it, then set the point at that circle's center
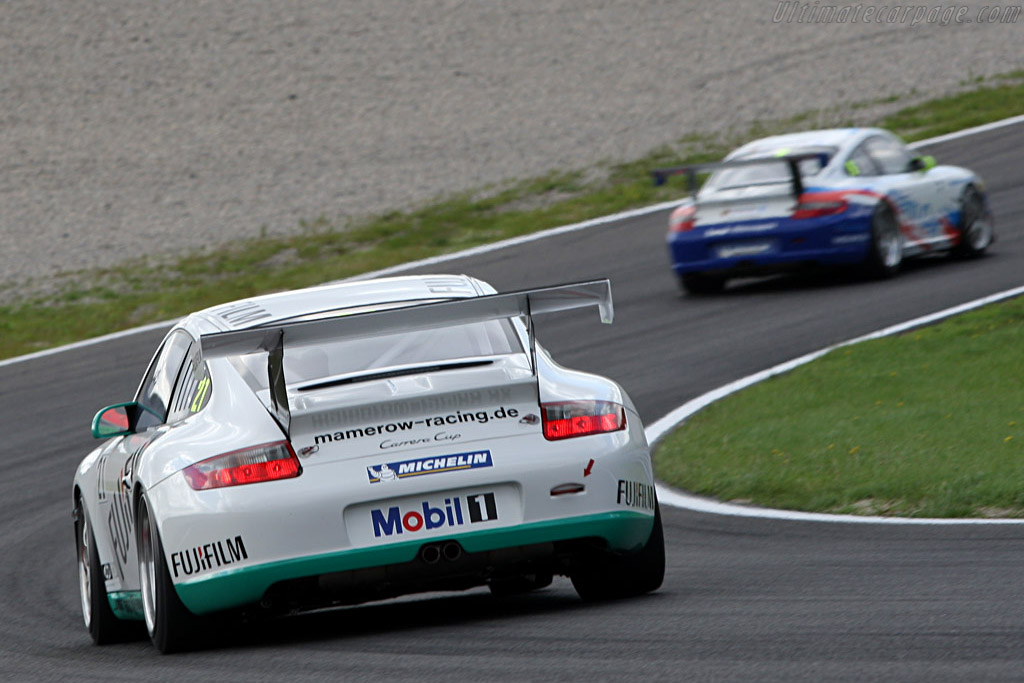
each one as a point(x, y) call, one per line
point(922, 163)
point(115, 420)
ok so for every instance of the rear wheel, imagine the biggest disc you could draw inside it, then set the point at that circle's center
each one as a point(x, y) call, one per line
point(976, 231)
point(616, 576)
point(699, 283)
point(172, 628)
point(886, 253)
point(103, 626)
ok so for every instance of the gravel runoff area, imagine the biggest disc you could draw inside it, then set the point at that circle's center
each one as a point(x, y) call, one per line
point(140, 127)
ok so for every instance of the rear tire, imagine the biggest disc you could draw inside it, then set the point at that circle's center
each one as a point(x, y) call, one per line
point(171, 627)
point(886, 251)
point(104, 627)
point(616, 576)
point(700, 284)
point(976, 231)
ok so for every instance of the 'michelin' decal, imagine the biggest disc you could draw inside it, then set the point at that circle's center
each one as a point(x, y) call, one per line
point(402, 469)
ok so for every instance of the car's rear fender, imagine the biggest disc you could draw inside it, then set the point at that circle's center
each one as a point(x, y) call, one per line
point(234, 418)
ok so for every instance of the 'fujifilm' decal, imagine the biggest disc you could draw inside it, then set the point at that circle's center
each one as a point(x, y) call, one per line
point(636, 494)
point(208, 556)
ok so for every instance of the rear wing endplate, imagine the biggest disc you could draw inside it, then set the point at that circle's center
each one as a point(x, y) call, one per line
point(691, 172)
point(526, 304)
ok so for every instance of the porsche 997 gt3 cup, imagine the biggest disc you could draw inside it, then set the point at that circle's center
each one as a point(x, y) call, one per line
point(834, 197)
point(355, 442)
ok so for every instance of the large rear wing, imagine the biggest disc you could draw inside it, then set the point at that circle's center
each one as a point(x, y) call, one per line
point(526, 304)
point(691, 172)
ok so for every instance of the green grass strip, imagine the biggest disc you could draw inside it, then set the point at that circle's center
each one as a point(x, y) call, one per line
point(90, 303)
point(929, 423)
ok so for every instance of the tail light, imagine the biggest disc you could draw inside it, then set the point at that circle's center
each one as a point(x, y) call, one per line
point(569, 419)
point(815, 206)
point(249, 466)
point(683, 219)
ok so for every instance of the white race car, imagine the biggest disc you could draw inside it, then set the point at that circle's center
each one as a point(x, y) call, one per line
point(358, 441)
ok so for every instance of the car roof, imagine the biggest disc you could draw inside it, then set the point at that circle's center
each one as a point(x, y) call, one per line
point(281, 306)
point(840, 138)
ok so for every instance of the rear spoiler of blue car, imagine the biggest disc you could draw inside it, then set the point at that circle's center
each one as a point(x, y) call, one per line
point(526, 304)
point(691, 172)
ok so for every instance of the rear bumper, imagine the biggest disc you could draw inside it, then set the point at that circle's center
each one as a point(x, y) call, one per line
point(831, 241)
point(623, 530)
point(773, 263)
point(226, 547)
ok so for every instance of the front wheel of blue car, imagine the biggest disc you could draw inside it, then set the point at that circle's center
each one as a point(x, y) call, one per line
point(172, 628)
point(611, 577)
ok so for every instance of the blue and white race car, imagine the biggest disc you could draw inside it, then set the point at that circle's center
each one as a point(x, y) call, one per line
point(359, 441)
point(828, 197)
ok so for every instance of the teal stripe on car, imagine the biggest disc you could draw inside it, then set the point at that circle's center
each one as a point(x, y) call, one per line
point(623, 530)
point(126, 605)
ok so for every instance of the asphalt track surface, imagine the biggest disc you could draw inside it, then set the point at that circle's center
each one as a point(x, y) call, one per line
point(744, 599)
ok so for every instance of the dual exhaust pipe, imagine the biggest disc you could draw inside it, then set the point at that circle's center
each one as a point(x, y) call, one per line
point(432, 553)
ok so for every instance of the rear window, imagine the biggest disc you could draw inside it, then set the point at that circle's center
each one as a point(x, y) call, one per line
point(768, 173)
point(357, 356)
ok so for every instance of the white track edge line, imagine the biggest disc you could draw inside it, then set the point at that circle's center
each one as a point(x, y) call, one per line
point(474, 251)
point(515, 241)
point(86, 342)
point(966, 132)
point(676, 498)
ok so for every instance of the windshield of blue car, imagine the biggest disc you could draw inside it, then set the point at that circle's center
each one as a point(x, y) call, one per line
point(774, 170)
point(366, 356)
